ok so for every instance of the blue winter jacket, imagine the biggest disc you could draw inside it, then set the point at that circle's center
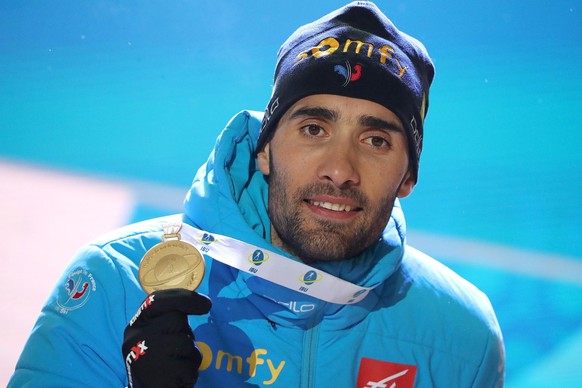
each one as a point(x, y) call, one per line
point(422, 325)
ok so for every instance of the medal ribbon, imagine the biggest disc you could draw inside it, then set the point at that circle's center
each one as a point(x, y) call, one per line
point(270, 266)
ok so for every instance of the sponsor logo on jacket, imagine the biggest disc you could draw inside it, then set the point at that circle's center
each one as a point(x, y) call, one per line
point(385, 374)
point(245, 365)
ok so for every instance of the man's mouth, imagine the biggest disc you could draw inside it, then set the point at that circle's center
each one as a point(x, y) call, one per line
point(338, 207)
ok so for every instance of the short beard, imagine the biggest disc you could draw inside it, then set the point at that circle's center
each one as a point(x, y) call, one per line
point(327, 240)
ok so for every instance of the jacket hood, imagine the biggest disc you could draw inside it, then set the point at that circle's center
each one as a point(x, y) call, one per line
point(229, 196)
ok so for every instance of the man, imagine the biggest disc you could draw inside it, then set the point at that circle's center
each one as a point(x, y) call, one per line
point(307, 268)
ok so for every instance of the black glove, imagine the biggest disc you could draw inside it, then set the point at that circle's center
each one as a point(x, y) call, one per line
point(158, 344)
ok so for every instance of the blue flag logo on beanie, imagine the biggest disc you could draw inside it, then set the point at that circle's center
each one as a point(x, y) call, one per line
point(348, 72)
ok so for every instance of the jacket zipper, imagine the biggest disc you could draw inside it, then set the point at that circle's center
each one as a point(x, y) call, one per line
point(309, 357)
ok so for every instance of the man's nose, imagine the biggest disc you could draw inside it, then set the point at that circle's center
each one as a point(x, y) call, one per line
point(339, 164)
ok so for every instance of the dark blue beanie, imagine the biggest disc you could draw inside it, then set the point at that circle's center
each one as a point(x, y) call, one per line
point(356, 52)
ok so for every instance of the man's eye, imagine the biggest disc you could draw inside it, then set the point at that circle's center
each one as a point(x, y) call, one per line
point(377, 141)
point(312, 130)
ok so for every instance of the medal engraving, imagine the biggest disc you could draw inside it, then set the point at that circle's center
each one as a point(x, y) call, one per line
point(171, 264)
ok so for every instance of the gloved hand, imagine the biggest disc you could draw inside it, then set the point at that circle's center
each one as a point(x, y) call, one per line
point(158, 344)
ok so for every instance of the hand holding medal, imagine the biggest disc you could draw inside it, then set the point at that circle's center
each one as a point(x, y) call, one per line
point(158, 344)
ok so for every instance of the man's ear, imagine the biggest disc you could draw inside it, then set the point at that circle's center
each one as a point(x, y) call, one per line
point(406, 186)
point(263, 159)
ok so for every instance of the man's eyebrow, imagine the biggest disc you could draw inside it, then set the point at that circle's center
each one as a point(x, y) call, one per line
point(332, 115)
point(315, 111)
point(376, 122)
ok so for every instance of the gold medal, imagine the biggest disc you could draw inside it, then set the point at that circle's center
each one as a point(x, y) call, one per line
point(171, 264)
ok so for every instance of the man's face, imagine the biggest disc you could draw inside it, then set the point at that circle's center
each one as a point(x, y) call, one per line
point(335, 166)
